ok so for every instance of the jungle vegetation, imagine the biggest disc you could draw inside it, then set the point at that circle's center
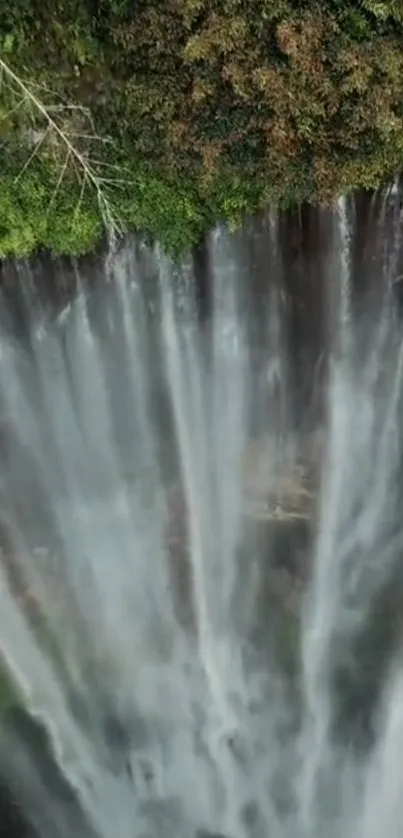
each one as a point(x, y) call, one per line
point(167, 115)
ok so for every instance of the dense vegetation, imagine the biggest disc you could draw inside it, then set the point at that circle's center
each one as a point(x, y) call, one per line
point(170, 114)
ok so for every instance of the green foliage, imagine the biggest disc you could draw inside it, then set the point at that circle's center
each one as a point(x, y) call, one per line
point(385, 9)
point(168, 210)
point(215, 109)
point(28, 219)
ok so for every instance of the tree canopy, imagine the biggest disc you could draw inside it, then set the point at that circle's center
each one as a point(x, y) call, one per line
point(167, 115)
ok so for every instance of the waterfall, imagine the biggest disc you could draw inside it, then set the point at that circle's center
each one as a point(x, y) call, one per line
point(200, 534)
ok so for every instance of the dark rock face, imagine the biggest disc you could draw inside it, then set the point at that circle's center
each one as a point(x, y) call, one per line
point(36, 799)
point(23, 728)
point(13, 823)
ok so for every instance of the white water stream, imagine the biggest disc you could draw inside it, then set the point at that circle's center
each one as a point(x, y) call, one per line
point(130, 621)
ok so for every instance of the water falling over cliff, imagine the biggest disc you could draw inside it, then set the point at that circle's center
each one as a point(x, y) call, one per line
point(201, 536)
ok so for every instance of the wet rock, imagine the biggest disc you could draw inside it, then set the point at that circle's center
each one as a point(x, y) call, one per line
point(39, 791)
point(33, 737)
point(13, 823)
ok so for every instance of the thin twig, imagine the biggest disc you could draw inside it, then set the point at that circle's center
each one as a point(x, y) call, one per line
point(62, 107)
point(12, 111)
point(80, 200)
point(103, 163)
point(31, 156)
point(106, 140)
point(59, 182)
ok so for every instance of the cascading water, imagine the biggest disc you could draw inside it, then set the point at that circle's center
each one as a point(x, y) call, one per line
point(156, 489)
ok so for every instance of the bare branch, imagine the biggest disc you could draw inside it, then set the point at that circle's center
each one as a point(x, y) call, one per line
point(81, 163)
